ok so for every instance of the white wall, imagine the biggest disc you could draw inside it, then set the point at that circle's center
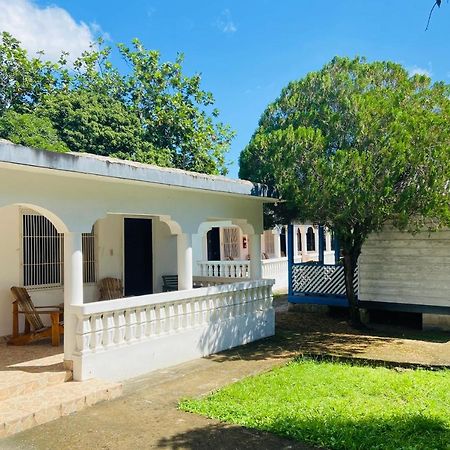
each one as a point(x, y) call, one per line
point(403, 268)
point(9, 264)
point(164, 253)
point(109, 255)
point(11, 272)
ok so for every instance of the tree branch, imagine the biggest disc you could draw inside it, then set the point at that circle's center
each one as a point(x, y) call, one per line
point(436, 3)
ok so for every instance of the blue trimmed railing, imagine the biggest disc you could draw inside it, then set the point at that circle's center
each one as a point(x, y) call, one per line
point(320, 279)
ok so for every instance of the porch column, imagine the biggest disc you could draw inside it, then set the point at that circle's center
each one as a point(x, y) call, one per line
point(304, 242)
point(316, 240)
point(255, 257)
point(294, 239)
point(328, 240)
point(277, 242)
point(184, 261)
point(73, 287)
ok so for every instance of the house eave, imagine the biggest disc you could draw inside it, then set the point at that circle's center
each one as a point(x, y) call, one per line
point(116, 169)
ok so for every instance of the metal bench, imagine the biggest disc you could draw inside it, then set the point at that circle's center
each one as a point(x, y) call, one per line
point(170, 283)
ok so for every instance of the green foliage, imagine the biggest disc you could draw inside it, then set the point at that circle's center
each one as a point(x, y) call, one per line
point(339, 406)
point(30, 130)
point(354, 146)
point(153, 113)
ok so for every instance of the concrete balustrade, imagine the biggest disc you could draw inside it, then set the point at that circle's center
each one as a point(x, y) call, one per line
point(119, 339)
point(233, 269)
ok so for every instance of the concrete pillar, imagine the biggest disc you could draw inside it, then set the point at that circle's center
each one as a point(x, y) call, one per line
point(255, 257)
point(184, 261)
point(295, 239)
point(73, 288)
point(276, 242)
point(316, 239)
point(328, 240)
point(304, 241)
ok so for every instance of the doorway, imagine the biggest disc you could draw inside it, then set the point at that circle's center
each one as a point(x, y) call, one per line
point(213, 243)
point(138, 257)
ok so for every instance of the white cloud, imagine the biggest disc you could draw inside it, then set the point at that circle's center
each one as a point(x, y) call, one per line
point(225, 22)
point(416, 70)
point(51, 28)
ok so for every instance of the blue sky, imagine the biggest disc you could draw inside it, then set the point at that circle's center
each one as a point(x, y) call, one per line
point(248, 50)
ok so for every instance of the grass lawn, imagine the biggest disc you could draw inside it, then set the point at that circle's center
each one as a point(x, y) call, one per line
point(339, 406)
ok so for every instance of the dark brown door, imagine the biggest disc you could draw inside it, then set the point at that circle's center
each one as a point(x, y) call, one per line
point(138, 257)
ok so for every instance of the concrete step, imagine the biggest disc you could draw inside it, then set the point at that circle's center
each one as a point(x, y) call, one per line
point(16, 382)
point(18, 413)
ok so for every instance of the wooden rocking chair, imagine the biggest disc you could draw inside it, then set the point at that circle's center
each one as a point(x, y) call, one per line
point(23, 305)
point(111, 288)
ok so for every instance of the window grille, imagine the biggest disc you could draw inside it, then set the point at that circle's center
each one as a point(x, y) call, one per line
point(269, 242)
point(89, 272)
point(43, 253)
point(231, 247)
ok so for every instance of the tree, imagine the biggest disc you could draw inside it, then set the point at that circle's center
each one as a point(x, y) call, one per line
point(31, 130)
point(354, 146)
point(152, 113)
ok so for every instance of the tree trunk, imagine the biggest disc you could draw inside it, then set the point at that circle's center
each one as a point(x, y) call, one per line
point(350, 263)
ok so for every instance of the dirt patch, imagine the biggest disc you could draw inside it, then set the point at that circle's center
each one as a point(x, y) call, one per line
point(330, 333)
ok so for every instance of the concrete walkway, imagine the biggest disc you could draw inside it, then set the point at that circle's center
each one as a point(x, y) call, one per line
point(146, 416)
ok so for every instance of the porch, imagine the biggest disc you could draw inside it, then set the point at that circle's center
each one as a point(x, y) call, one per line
point(64, 228)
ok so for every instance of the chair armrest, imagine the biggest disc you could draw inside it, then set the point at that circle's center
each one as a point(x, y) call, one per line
point(43, 312)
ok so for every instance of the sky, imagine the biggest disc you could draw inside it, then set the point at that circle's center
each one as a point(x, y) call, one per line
point(246, 51)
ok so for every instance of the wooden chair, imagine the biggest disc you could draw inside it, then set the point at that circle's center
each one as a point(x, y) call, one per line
point(170, 283)
point(34, 327)
point(111, 288)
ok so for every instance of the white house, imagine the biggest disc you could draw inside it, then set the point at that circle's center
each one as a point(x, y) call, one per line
point(224, 250)
point(69, 220)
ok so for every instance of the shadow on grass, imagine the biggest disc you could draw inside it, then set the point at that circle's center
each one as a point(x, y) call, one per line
point(229, 437)
point(396, 433)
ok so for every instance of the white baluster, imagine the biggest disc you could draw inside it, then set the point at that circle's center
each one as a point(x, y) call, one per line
point(108, 330)
point(97, 331)
point(120, 327)
point(130, 317)
point(83, 334)
point(141, 320)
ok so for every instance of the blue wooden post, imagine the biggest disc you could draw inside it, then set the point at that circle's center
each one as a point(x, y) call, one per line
point(321, 244)
point(290, 252)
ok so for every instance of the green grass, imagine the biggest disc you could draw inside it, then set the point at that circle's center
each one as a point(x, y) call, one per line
point(339, 406)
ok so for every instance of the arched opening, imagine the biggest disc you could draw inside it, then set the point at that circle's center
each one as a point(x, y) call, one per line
point(299, 240)
point(221, 249)
point(283, 242)
point(310, 240)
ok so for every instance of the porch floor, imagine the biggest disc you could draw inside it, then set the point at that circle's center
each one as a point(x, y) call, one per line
point(36, 388)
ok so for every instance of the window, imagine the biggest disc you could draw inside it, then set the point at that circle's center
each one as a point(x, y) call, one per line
point(231, 247)
point(43, 253)
point(299, 240)
point(310, 240)
point(269, 242)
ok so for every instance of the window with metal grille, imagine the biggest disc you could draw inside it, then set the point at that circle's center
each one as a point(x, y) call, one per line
point(231, 247)
point(43, 253)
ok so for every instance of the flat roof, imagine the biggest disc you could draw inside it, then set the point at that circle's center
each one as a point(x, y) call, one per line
point(89, 164)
